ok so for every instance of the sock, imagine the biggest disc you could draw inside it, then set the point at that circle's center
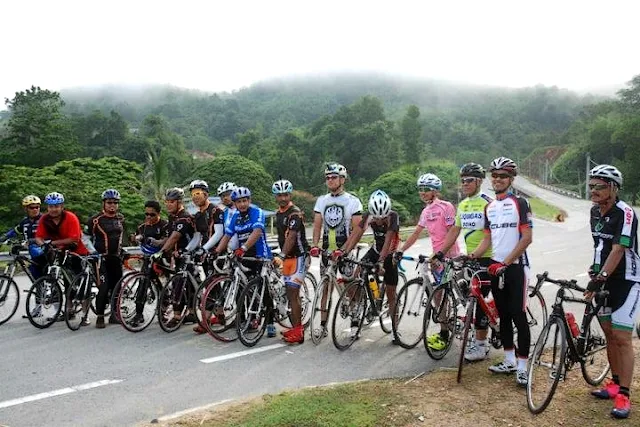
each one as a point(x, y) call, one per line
point(323, 323)
point(624, 390)
point(482, 343)
point(444, 335)
point(522, 364)
point(510, 356)
point(616, 379)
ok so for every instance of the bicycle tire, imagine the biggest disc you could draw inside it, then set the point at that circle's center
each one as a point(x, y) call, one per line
point(537, 317)
point(384, 318)
point(468, 321)
point(595, 345)
point(174, 293)
point(137, 287)
point(113, 303)
point(404, 334)
point(77, 300)
point(251, 295)
point(447, 304)
point(318, 332)
point(541, 351)
point(48, 290)
point(310, 288)
point(9, 298)
point(344, 310)
point(213, 301)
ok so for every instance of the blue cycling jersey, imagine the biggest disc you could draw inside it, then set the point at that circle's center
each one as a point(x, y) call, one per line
point(26, 229)
point(242, 224)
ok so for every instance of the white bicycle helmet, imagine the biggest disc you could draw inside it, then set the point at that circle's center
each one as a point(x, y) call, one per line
point(199, 184)
point(240, 193)
point(111, 193)
point(282, 186)
point(335, 168)
point(430, 180)
point(226, 186)
point(505, 164)
point(607, 173)
point(379, 204)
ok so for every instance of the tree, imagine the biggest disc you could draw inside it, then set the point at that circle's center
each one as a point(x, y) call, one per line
point(159, 137)
point(38, 133)
point(630, 97)
point(411, 131)
point(629, 134)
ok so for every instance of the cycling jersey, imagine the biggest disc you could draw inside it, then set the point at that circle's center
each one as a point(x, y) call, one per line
point(26, 228)
point(227, 213)
point(157, 230)
point(618, 226)
point(437, 217)
point(106, 233)
point(336, 214)
point(505, 218)
point(389, 223)
point(470, 217)
point(242, 224)
point(182, 222)
point(67, 228)
point(205, 220)
point(291, 219)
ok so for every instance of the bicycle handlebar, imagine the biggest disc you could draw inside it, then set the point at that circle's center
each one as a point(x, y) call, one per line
point(544, 277)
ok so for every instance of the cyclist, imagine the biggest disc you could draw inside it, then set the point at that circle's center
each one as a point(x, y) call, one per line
point(437, 217)
point(153, 231)
point(181, 230)
point(224, 192)
point(385, 224)
point(26, 229)
point(508, 230)
point(249, 225)
point(336, 214)
point(106, 230)
point(294, 249)
point(614, 227)
point(470, 218)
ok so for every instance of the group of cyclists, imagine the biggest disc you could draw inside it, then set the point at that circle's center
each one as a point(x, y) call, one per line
point(497, 232)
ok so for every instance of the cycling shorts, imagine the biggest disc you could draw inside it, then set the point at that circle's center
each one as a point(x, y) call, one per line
point(621, 311)
point(293, 271)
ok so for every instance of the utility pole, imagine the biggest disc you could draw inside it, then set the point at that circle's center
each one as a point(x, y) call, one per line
point(586, 177)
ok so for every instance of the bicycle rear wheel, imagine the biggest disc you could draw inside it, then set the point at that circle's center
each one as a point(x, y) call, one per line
point(320, 310)
point(252, 312)
point(349, 314)
point(174, 304)
point(220, 309)
point(9, 298)
point(440, 312)
point(137, 302)
point(546, 365)
point(411, 302)
point(44, 302)
point(536, 312)
point(468, 321)
point(595, 365)
point(78, 296)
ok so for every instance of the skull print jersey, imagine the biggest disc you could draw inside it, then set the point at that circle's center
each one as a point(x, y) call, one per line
point(336, 214)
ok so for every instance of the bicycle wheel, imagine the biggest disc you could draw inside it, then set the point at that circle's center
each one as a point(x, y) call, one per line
point(307, 296)
point(595, 364)
point(440, 312)
point(252, 312)
point(44, 302)
point(411, 302)
point(113, 302)
point(349, 314)
point(137, 302)
point(219, 306)
point(536, 315)
point(173, 305)
point(546, 365)
point(310, 278)
point(77, 299)
point(9, 298)
point(320, 310)
point(468, 321)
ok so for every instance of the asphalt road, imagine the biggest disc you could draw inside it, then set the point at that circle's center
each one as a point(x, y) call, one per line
point(109, 377)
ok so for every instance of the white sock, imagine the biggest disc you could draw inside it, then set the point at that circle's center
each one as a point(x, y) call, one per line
point(522, 364)
point(482, 343)
point(510, 357)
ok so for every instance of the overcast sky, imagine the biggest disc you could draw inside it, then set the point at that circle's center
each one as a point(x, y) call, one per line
point(224, 45)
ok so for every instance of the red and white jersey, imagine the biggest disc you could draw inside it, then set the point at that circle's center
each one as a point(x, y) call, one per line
point(505, 218)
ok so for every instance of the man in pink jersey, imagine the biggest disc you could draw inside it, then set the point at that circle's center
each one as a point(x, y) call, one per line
point(437, 217)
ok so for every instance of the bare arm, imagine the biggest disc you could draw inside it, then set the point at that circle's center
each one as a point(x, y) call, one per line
point(412, 239)
point(388, 238)
point(223, 244)
point(317, 228)
point(452, 236)
point(523, 243)
point(253, 238)
point(616, 254)
point(170, 243)
point(353, 239)
point(482, 247)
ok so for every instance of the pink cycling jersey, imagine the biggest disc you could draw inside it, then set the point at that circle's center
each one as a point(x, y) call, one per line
point(437, 217)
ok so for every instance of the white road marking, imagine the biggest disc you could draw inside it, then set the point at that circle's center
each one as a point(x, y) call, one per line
point(59, 392)
point(582, 275)
point(289, 352)
point(188, 411)
point(553, 252)
point(242, 353)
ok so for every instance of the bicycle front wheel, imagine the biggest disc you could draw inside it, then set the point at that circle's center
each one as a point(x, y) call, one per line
point(595, 364)
point(252, 312)
point(440, 314)
point(9, 298)
point(468, 321)
point(348, 315)
point(173, 305)
point(536, 315)
point(410, 306)
point(219, 308)
point(137, 302)
point(320, 311)
point(78, 296)
point(44, 302)
point(546, 365)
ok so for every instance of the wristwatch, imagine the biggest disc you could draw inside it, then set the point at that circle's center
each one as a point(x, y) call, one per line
point(604, 274)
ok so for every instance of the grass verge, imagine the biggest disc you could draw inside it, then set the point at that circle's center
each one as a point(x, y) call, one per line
point(435, 399)
point(546, 211)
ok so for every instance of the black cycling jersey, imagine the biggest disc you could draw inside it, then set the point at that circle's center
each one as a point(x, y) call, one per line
point(391, 222)
point(26, 228)
point(205, 220)
point(182, 222)
point(157, 231)
point(106, 233)
point(291, 219)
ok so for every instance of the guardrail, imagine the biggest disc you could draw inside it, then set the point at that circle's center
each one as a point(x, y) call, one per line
point(557, 190)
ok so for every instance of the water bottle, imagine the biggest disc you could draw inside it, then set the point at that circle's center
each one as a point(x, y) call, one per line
point(573, 326)
point(374, 287)
point(201, 275)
